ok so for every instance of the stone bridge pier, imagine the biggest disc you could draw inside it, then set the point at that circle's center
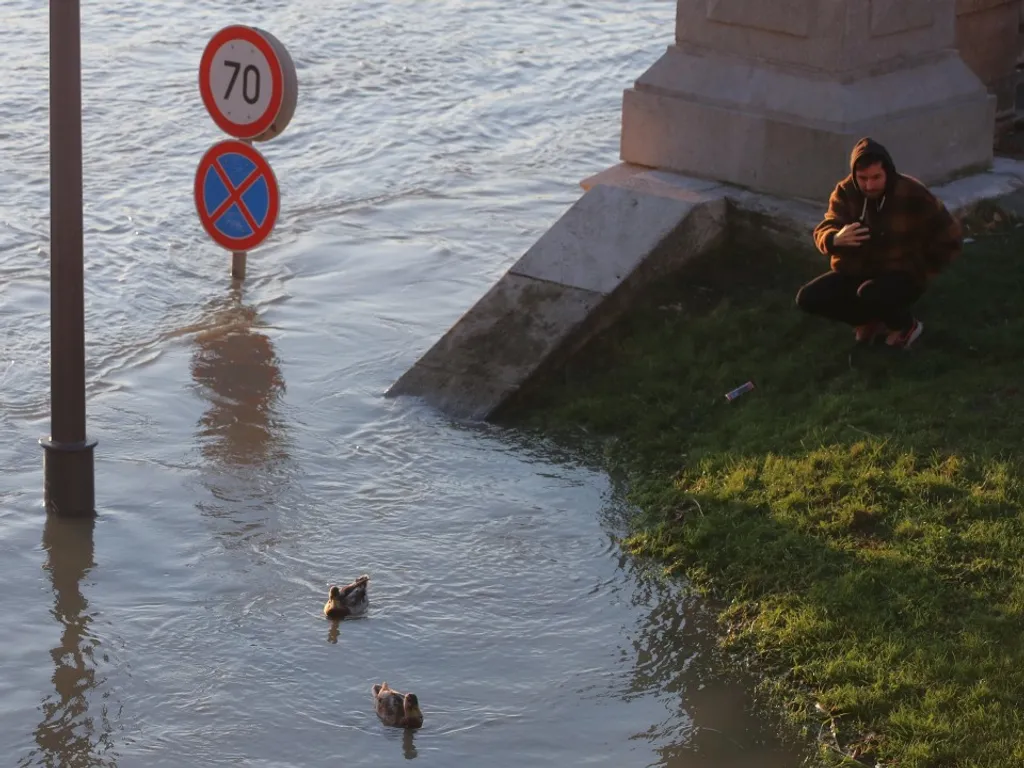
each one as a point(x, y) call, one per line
point(988, 36)
point(772, 94)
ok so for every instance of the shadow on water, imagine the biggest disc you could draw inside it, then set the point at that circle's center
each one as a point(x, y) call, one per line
point(71, 735)
point(241, 435)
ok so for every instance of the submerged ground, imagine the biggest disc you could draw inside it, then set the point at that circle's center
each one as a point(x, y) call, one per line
point(861, 525)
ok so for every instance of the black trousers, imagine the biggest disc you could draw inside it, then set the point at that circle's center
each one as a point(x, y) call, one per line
point(858, 301)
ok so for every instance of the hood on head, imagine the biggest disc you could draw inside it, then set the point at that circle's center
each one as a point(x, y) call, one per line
point(868, 146)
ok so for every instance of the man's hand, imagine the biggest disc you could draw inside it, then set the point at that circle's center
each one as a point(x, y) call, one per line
point(852, 234)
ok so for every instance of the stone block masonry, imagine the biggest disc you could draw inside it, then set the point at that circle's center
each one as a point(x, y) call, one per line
point(771, 94)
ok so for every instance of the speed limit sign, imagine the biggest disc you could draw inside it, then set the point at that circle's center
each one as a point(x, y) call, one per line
point(248, 83)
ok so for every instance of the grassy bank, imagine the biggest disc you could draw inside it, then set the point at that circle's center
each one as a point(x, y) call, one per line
point(863, 525)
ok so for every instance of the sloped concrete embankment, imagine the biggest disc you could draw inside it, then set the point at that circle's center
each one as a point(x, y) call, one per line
point(632, 227)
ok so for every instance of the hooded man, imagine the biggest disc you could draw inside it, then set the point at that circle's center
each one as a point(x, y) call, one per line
point(886, 235)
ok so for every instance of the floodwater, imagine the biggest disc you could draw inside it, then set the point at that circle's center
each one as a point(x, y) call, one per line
point(247, 458)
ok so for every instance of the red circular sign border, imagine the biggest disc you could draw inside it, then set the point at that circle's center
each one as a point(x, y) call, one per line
point(212, 155)
point(252, 36)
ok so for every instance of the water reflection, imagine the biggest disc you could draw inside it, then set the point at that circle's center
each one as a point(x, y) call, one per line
point(332, 632)
point(677, 657)
point(239, 372)
point(241, 435)
point(408, 748)
point(70, 735)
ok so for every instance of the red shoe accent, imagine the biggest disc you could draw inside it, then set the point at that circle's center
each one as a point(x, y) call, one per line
point(904, 339)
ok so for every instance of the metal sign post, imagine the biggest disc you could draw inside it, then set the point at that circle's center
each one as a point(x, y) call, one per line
point(68, 454)
point(238, 257)
point(238, 264)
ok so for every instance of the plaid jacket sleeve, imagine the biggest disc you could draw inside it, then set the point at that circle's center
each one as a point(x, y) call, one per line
point(835, 219)
point(946, 238)
point(843, 258)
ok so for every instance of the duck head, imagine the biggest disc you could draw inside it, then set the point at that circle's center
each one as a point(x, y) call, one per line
point(413, 715)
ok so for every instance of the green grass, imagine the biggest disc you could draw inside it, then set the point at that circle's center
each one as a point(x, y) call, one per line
point(862, 527)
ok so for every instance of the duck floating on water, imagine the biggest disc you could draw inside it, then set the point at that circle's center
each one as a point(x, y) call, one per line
point(349, 600)
point(401, 710)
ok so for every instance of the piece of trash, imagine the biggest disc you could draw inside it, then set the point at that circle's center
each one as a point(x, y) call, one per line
point(739, 391)
point(968, 240)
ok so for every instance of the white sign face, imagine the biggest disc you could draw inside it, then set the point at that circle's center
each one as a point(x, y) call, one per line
point(241, 82)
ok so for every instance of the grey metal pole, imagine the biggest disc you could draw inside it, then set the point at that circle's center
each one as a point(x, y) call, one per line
point(68, 454)
point(238, 264)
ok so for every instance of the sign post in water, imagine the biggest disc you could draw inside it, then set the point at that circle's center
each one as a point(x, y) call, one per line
point(250, 88)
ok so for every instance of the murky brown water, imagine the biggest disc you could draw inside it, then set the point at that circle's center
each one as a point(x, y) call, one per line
point(246, 455)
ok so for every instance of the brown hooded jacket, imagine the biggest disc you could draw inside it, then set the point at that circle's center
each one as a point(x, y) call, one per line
point(911, 230)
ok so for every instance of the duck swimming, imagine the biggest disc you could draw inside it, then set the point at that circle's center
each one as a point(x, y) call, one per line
point(348, 600)
point(401, 710)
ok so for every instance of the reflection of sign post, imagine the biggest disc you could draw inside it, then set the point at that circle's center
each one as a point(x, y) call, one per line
point(236, 195)
point(250, 88)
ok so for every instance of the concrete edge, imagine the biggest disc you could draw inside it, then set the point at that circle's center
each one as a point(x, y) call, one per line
point(509, 337)
point(703, 229)
point(789, 222)
point(481, 390)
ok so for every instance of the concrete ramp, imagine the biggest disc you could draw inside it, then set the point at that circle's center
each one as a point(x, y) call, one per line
point(625, 232)
point(632, 226)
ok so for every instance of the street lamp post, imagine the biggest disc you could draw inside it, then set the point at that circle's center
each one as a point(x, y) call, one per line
point(68, 454)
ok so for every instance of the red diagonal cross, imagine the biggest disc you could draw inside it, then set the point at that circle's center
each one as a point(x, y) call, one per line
point(235, 195)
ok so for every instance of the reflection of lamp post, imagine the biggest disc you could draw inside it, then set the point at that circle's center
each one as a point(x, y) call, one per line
point(65, 734)
point(68, 455)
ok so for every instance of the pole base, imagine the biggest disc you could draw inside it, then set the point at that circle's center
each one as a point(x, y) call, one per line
point(68, 478)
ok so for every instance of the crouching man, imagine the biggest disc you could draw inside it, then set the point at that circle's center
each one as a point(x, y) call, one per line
point(886, 236)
